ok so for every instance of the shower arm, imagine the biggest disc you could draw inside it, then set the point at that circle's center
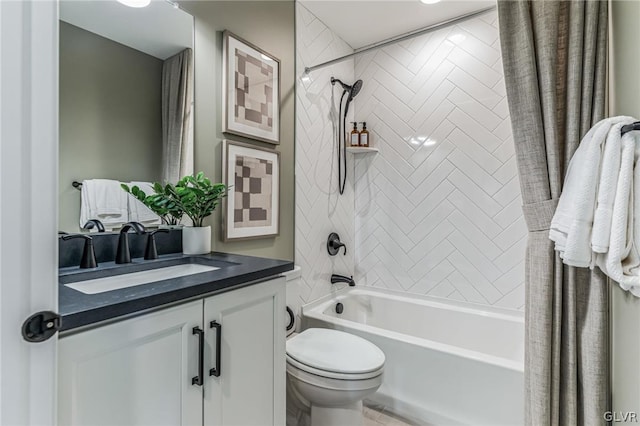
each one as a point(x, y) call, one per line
point(346, 87)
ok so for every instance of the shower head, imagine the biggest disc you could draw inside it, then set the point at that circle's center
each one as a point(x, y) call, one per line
point(353, 90)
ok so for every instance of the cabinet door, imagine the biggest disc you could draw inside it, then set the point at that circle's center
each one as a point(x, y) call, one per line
point(250, 389)
point(133, 372)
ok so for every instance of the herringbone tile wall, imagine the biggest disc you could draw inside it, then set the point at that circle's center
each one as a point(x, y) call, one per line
point(438, 209)
point(319, 208)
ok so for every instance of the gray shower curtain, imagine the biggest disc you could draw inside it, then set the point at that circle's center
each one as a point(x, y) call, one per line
point(177, 117)
point(554, 56)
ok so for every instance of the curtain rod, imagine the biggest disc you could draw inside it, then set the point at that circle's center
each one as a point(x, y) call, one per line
point(403, 37)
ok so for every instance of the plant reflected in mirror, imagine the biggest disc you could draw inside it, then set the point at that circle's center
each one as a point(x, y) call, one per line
point(194, 196)
point(160, 203)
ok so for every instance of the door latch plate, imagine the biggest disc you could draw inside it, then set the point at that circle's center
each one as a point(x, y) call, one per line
point(41, 326)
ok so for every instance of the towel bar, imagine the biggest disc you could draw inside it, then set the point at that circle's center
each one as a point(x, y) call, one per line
point(630, 127)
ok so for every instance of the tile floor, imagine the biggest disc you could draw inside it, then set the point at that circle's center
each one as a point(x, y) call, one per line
point(376, 415)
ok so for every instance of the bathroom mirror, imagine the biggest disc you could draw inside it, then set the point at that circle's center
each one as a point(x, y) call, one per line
point(122, 70)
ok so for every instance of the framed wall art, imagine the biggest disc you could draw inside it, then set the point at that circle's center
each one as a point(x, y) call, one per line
point(252, 207)
point(251, 92)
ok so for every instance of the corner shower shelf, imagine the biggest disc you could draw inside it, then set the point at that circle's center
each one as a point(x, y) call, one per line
point(361, 150)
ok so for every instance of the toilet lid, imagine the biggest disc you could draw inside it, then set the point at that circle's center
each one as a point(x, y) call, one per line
point(335, 351)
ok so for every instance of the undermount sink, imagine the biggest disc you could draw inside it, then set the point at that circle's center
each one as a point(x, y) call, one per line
point(117, 282)
point(132, 279)
point(124, 276)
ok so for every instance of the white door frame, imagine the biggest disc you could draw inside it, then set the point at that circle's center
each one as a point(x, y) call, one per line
point(28, 206)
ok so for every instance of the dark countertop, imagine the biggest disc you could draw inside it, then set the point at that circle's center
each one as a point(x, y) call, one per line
point(78, 309)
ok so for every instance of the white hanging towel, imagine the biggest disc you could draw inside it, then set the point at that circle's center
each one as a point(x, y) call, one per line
point(105, 200)
point(138, 212)
point(607, 190)
point(572, 224)
point(622, 261)
point(598, 214)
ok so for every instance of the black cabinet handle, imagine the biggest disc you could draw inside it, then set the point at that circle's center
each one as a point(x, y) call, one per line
point(216, 370)
point(198, 379)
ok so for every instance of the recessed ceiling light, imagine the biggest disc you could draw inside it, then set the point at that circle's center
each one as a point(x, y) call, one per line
point(135, 3)
point(429, 1)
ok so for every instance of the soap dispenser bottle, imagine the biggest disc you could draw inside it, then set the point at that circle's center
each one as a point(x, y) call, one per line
point(355, 135)
point(364, 135)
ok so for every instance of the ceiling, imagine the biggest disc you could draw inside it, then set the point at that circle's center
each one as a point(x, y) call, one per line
point(363, 22)
point(159, 29)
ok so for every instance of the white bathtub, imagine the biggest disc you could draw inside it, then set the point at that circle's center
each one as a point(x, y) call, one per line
point(447, 362)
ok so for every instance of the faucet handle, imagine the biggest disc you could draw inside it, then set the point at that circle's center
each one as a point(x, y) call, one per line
point(151, 252)
point(88, 253)
point(334, 244)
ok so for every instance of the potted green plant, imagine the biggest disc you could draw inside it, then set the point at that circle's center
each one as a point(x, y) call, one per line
point(161, 203)
point(197, 197)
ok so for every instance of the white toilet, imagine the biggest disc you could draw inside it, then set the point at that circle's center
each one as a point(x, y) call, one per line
point(330, 372)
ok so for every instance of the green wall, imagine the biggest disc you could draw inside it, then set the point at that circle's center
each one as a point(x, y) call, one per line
point(624, 87)
point(625, 61)
point(110, 115)
point(271, 26)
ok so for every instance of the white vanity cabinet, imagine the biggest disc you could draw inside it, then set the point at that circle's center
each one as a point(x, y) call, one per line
point(250, 388)
point(145, 370)
point(136, 371)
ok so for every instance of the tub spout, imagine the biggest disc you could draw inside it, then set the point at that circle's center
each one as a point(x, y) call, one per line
point(335, 278)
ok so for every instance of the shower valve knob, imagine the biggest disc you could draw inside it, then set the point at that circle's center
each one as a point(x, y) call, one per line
point(334, 244)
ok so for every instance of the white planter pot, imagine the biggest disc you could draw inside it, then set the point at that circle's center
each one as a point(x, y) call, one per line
point(196, 240)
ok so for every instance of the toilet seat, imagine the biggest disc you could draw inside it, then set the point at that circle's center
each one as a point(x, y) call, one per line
point(334, 354)
point(332, 383)
point(331, 374)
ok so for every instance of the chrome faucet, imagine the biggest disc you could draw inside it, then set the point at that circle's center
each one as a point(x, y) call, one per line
point(123, 255)
point(335, 278)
